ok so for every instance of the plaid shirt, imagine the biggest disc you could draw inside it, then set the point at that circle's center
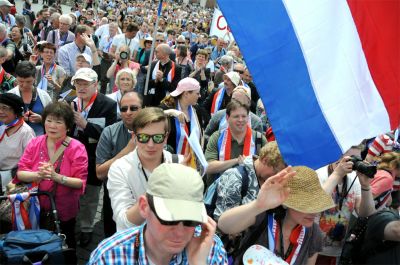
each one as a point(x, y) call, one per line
point(120, 249)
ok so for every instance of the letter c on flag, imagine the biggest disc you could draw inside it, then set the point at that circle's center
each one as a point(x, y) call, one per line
point(220, 23)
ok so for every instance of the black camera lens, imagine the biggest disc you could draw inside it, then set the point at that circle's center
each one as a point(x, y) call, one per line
point(123, 55)
point(362, 167)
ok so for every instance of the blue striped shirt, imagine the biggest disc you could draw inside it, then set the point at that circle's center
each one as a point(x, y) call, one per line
point(120, 249)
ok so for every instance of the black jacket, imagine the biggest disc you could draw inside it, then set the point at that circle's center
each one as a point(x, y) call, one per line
point(104, 110)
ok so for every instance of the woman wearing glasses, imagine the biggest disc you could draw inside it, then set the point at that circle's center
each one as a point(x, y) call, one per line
point(125, 82)
point(128, 176)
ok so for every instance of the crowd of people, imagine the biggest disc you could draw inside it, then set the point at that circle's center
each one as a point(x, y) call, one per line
point(77, 81)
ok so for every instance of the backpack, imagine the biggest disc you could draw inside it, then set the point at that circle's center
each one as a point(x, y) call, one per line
point(210, 197)
point(30, 246)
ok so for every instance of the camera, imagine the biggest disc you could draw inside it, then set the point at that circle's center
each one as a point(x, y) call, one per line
point(123, 55)
point(362, 167)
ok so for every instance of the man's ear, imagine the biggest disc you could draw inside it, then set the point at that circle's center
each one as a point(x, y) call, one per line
point(144, 208)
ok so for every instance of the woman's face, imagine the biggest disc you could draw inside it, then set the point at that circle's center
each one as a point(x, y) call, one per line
point(305, 219)
point(125, 83)
point(48, 55)
point(192, 96)
point(55, 127)
point(7, 114)
point(16, 34)
point(147, 45)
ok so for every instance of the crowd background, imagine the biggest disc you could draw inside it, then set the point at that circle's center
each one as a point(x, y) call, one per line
point(82, 74)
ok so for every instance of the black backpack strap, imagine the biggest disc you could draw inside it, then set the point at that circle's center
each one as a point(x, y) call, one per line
point(245, 180)
point(258, 142)
point(54, 37)
point(175, 158)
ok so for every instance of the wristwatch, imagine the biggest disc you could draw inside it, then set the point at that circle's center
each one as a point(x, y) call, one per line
point(63, 180)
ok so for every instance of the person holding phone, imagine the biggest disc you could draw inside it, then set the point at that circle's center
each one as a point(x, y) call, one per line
point(177, 229)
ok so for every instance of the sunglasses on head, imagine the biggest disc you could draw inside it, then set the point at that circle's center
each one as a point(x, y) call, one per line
point(131, 108)
point(169, 223)
point(145, 138)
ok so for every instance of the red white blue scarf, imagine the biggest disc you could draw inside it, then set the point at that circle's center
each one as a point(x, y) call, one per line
point(182, 130)
point(5, 127)
point(22, 218)
point(225, 141)
point(296, 236)
point(171, 73)
point(217, 100)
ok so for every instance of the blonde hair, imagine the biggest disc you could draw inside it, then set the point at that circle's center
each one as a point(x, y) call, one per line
point(126, 71)
point(271, 156)
point(150, 115)
point(389, 161)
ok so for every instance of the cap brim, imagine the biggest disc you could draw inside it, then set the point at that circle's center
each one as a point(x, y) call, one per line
point(180, 210)
point(305, 202)
point(176, 93)
point(81, 77)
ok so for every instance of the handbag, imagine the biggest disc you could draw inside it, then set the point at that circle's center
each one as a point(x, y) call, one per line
point(6, 207)
point(47, 220)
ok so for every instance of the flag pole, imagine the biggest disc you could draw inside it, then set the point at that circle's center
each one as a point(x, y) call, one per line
point(146, 86)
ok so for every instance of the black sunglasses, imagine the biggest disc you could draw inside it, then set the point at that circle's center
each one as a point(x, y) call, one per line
point(181, 42)
point(125, 108)
point(168, 223)
point(239, 71)
point(159, 40)
point(144, 138)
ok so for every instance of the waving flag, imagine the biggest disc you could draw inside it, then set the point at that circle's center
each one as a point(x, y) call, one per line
point(327, 71)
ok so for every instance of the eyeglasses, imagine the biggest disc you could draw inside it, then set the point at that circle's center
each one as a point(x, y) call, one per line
point(112, 20)
point(169, 223)
point(144, 138)
point(131, 108)
point(159, 40)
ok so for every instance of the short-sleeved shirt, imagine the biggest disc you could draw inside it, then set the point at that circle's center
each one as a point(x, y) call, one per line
point(212, 151)
point(331, 218)
point(57, 74)
point(312, 242)
point(122, 247)
point(113, 139)
point(120, 40)
point(383, 252)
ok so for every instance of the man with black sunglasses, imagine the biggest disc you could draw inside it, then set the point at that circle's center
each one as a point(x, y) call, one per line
point(177, 229)
point(128, 175)
point(115, 142)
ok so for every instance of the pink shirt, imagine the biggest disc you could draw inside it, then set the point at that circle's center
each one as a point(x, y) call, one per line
point(74, 164)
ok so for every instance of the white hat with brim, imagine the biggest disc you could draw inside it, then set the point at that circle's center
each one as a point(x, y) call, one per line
point(86, 74)
point(5, 3)
point(177, 192)
point(180, 210)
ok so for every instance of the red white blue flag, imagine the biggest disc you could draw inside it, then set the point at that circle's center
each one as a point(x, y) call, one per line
point(327, 71)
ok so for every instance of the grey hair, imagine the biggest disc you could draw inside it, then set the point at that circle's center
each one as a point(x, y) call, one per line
point(226, 60)
point(55, 16)
point(3, 52)
point(3, 28)
point(66, 18)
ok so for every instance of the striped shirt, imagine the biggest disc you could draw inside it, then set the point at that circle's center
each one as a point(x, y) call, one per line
point(125, 247)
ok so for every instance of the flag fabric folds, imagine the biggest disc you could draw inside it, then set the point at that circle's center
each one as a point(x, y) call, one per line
point(323, 70)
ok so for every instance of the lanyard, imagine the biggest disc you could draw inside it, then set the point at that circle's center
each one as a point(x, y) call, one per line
point(128, 44)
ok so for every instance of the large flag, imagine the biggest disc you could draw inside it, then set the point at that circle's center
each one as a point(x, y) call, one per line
point(327, 71)
point(219, 27)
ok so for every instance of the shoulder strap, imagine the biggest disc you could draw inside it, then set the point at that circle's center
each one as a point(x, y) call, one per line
point(245, 180)
point(175, 158)
point(54, 36)
point(60, 150)
point(258, 141)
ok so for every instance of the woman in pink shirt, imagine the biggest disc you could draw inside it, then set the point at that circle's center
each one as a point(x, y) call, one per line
point(66, 178)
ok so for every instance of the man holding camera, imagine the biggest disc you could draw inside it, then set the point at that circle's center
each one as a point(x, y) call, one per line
point(127, 38)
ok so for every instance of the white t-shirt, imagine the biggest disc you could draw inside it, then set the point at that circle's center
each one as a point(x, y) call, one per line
point(120, 40)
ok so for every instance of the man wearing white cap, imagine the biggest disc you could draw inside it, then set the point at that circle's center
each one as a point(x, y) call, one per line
point(174, 210)
point(93, 112)
point(220, 97)
point(5, 17)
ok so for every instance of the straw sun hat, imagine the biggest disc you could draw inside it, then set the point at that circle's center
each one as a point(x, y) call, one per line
point(306, 194)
